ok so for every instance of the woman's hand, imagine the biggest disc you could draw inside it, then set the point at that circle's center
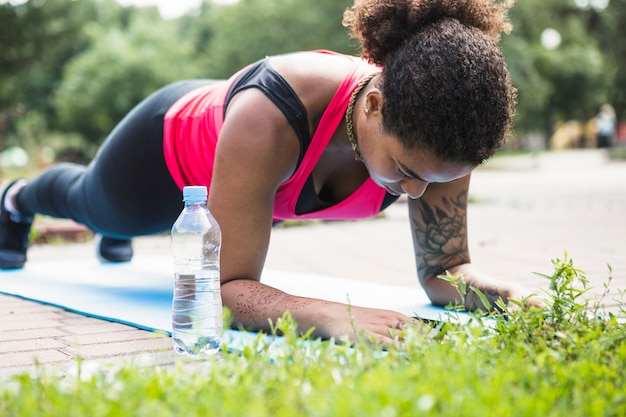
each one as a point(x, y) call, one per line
point(360, 323)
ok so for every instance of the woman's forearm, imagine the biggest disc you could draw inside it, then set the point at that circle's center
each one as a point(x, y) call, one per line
point(253, 305)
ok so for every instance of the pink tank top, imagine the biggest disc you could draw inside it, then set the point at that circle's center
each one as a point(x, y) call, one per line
point(191, 131)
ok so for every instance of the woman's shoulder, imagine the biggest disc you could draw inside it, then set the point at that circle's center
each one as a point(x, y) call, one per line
point(315, 63)
point(315, 76)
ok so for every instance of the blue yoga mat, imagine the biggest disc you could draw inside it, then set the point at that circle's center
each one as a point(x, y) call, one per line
point(139, 293)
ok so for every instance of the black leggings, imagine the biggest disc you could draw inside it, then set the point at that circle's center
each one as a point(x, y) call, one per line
point(127, 189)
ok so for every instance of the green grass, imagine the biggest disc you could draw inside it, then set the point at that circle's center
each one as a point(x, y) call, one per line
point(567, 359)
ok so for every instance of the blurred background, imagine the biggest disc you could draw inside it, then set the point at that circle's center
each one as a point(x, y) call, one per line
point(70, 69)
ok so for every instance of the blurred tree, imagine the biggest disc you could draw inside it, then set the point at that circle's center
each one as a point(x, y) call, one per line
point(214, 43)
point(122, 66)
point(251, 29)
point(198, 28)
point(556, 64)
point(37, 39)
point(609, 27)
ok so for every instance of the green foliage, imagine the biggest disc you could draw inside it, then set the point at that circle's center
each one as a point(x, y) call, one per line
point(280, 26)
point(563, 359)
point(570, 81)
point(122, 67)
point(570, 327)
point(36, 39)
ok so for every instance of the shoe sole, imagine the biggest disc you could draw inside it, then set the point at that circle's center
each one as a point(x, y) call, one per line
point(111, 256)
point(12, 260)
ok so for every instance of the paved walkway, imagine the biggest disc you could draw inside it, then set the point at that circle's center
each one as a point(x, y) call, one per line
point(524, 212)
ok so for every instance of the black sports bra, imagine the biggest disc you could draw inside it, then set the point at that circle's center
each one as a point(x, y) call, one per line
point(260, 75)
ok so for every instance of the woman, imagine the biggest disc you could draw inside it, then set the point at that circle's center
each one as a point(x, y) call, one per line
point(306, 135)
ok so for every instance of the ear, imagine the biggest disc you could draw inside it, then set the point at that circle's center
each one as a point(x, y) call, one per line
point(373, 101)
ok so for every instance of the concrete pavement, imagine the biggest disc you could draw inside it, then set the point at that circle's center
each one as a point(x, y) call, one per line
point(524, 212)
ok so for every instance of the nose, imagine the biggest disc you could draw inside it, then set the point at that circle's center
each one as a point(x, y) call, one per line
point(414, 188)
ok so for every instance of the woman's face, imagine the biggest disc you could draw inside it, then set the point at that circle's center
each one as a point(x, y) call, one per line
point(394, 168)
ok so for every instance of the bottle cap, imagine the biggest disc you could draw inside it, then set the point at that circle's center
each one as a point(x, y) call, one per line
point(195, 194)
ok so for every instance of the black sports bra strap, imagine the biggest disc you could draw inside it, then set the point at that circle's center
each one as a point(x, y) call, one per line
point(260, 75)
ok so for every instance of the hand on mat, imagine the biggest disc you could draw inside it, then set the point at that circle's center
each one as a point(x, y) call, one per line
point(382, 326)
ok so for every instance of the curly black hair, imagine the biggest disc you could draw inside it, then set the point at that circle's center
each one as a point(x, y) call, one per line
point(444, 80)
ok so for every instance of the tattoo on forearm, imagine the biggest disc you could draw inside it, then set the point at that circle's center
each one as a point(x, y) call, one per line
point(255, 300)
point(441, 235)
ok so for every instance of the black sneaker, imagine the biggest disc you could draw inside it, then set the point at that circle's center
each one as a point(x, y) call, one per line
point(114, 250)
point(14, 232)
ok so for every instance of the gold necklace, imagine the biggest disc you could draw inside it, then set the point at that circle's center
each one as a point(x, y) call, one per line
point(349, 121)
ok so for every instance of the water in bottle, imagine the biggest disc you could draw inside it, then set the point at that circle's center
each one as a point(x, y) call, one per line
point(197, 303)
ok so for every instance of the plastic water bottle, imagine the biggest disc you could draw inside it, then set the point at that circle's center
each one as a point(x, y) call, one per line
point(197, 303)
